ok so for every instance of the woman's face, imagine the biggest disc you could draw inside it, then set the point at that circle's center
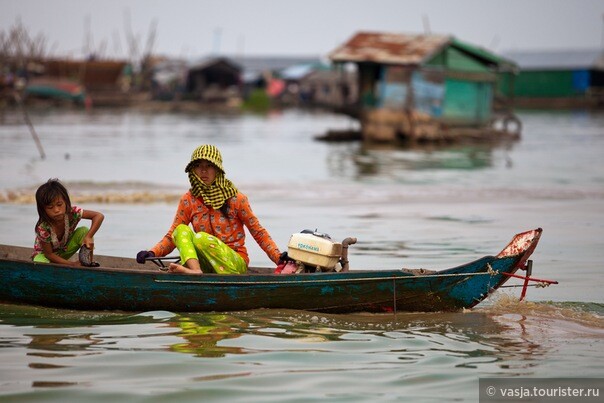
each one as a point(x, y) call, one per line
point(205, 170)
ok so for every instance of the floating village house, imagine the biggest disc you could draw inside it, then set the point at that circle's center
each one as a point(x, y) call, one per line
point(557, 78)
point(426, 87)
point(215, 80)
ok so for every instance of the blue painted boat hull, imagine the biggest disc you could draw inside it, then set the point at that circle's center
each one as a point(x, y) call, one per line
point(121, 284)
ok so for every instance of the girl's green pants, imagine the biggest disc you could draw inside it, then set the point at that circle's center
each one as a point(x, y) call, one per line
point(73, 244)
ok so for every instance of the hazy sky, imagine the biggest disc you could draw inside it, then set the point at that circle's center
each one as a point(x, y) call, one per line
point(195, 28)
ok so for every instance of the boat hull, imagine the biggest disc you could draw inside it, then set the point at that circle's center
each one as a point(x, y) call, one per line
point(121, 284)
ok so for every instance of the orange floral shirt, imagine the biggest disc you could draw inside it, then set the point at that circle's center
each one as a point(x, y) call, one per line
point(192, 210)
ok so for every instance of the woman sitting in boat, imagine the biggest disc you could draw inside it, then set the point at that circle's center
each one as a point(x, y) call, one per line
point(218, 213)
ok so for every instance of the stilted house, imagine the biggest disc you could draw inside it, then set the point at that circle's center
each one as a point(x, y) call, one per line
point(215, 80)
point(426, 88)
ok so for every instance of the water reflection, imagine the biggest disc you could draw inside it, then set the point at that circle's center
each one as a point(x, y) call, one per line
point(375, 159)
point(63, 344)
point(201, 334)
point(514, 342)
point(466, 340)
point(384, 160)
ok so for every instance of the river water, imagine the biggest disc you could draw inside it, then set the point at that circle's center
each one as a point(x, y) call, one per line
point(430, 207)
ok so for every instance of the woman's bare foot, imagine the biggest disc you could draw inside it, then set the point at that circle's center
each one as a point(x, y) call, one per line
point(178, 268)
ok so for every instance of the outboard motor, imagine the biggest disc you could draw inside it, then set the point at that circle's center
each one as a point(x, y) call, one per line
point(314, 251)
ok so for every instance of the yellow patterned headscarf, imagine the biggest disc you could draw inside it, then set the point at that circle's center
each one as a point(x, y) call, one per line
point(215, 194)
point(218, 191)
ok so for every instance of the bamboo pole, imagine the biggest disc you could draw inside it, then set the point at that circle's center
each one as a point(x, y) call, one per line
point(32, 130)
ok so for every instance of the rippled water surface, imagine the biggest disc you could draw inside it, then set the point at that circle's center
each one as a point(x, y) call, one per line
point(431, 207)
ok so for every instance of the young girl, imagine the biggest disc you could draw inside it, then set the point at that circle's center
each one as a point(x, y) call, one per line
point(57, 238)
point(218, 213)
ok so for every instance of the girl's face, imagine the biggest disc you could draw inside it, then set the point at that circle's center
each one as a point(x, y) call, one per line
point(56, 209)
point(205, 170)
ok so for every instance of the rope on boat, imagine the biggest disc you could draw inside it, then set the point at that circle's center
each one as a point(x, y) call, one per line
point(491, 272)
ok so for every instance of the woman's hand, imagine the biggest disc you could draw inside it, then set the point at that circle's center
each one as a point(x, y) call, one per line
point(143, 255)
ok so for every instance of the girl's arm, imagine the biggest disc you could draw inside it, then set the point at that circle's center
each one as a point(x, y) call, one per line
point(97, 219)
point(53, 257)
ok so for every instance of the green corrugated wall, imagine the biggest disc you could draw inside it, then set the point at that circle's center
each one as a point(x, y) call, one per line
point(467, 102)
point(541, 84)
point(544, 84)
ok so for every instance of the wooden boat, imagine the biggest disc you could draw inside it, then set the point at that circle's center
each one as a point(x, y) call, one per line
point(122, 284)
point(55, 89)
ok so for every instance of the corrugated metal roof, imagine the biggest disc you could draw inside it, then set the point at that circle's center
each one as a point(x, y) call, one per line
point(389, 48)
point(557, 59)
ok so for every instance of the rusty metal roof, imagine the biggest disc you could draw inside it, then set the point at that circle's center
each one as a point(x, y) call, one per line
point(390, 48)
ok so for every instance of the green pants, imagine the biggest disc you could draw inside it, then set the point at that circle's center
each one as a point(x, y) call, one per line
point(73, 244)
point(208, 250)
